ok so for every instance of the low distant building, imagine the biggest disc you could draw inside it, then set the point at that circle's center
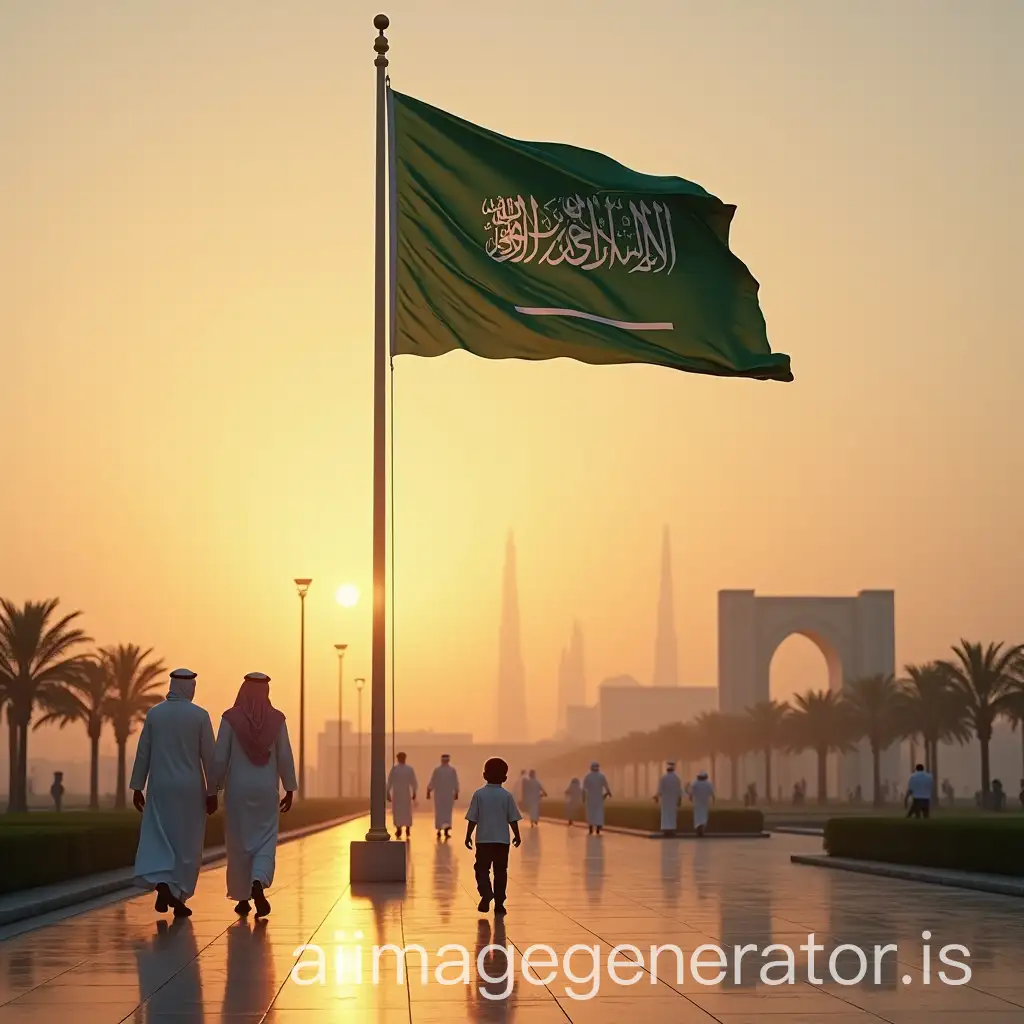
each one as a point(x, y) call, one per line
point(582, 724)
point(423, 748)
point(625, 707)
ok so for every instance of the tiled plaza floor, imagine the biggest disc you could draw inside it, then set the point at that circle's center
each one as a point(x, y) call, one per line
point(120, 963)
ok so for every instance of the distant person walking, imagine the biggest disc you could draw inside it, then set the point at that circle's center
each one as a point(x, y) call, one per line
point(253, 756)
point(919, 793)
point(533, 793)
point(57, 790)
point(701, 795)
point(670, 793)
point(402, 788)
point(174, 764)
point(492, 812)
point(574, 801)
point(444, 787)
point(595, 792)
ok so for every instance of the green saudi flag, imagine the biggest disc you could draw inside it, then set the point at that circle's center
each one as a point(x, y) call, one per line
point(528, 250)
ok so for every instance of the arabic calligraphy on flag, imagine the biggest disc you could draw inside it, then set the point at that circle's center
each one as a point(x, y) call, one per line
point(592, 233)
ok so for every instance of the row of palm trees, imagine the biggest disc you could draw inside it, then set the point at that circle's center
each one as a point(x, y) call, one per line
point(951, 700)
point(51, 673)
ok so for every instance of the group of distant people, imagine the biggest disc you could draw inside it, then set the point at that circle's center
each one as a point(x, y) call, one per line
point(493, 814)
point(178, 772)
point(443, 789)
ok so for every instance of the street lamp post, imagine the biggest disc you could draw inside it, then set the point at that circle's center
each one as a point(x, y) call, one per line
point(340, 648)
point(303, 588)
point(360, 683)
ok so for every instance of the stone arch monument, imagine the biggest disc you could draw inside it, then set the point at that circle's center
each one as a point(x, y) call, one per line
point(856, 635)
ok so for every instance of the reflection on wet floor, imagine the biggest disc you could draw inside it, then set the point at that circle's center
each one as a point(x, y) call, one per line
point(573, 898)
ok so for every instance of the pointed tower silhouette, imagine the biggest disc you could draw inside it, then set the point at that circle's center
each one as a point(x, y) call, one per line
point(572, 679)
point(511, 710)
point(563, 690)
point(576, 670)
point(666, 653)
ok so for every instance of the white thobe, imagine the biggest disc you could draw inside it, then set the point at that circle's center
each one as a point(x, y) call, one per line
point(174, 764)
point(670, 792)
point(701, 792)
point(532, 789)
point(252, 808)
point(444, 784)
point(594, 787)
point(401, 789)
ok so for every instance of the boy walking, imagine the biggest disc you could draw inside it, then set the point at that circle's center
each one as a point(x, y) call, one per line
point(492, 812)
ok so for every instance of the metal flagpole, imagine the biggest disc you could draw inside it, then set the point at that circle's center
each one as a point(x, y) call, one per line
point(378, 661)
point(392, 320)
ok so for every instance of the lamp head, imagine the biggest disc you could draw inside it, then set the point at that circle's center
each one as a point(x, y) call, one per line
point(341, 648)
point(360, 683)
point(303, 586)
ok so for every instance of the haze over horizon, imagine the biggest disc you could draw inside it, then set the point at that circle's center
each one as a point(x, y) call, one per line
point(186, 325)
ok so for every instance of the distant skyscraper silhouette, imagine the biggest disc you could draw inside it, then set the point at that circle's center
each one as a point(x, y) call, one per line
point(666, 652)
point(563, 689)
point(511, 711)
point(572, 676)
point(577, 668)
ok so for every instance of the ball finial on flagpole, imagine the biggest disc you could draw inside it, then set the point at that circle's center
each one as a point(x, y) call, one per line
point(380, 44)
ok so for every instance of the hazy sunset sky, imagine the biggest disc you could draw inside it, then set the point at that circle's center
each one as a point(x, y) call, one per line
point(186, 215)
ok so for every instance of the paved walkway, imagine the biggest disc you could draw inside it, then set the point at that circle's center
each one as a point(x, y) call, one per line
point(119, 963)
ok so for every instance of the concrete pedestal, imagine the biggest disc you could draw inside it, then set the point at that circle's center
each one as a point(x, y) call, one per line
point(377, 862)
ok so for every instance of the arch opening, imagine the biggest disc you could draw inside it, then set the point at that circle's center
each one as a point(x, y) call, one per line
point(803, 661)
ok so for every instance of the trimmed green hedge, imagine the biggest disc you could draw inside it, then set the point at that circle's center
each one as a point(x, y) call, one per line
point(646, 817)
point(992, 845)
point(46, 848)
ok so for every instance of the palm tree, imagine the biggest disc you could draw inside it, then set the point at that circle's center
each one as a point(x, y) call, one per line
point(38, 656)
point(986, 678)
point(767, 733)
point(820, 722)
point(85, 701)
point(711, 727)
point(1015, 706)
point(133, 682)
point(736, 743)
point(7, 706)
point(875, 714)
point(1015, 713)
point(934, 709)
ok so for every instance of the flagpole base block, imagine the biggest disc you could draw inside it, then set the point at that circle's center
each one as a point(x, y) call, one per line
point(371, 861)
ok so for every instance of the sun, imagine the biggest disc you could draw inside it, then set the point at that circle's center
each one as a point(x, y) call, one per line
point(347, 595)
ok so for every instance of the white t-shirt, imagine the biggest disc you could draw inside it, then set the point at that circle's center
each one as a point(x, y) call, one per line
point(493, 808)
point(920, 786)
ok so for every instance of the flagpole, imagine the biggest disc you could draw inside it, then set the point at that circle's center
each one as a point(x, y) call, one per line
point(378, 664)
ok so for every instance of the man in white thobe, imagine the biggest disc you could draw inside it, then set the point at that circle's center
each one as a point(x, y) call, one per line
point(402, 788)
point(444, 788)
point(701, 795)
point(595, 792)
point(670, 792)
point(254, 759)
point(533, 791)
point(174, 764)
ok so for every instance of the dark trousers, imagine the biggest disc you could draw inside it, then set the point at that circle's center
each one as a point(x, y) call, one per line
point(918, 809)
point(488, 856)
